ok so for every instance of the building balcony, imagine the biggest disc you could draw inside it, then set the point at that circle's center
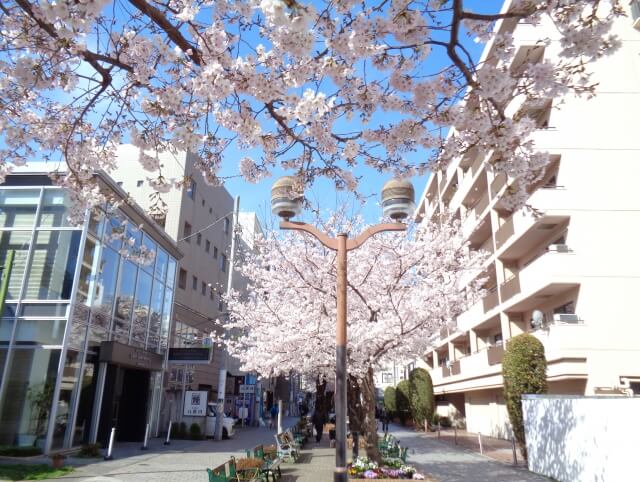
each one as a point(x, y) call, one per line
point(495, 354)
point(455, 368)
point(497, 184)
point(490, 301)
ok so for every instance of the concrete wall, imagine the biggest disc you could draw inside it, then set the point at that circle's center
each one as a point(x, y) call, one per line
point(583, 438)
point(486, 413)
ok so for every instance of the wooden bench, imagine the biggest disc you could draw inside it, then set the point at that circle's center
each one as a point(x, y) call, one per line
point(271, 463)
point(228, 472)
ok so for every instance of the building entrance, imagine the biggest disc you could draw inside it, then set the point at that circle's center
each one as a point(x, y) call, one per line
point(124, 404)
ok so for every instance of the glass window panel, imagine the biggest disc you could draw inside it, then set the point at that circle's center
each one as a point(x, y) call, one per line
point(133, 238)
point(166, 317)
point(18, 207)
point(6, 327)
point(53, 265)
point(124, 301)
point(44, 309)
point(171, 273)
point(141, 309)
point(101, 319)
point(106, 280)
point(87, 271)
point(85, 405)
point(53, 212)
point(162, 260)
point(96, 223)
point(156, 315)
point(10, 309)
point(27, 396)
point(40, 332)
point(151, 249)
point(19, 242)
point(77, 335)
point(70, 374)
point(96, 336)
point(113, 231)
point(121, 330)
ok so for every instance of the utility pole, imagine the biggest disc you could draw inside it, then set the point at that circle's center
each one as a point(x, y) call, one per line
point(222, 380)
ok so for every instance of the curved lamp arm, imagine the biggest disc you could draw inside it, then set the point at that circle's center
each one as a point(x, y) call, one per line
point(378, 228)
point(329, 242)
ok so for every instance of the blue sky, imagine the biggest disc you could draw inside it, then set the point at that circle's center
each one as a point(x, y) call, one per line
point(255, 197)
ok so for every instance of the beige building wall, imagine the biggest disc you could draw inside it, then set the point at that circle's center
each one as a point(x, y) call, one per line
point(576, 262)
point(199, 217)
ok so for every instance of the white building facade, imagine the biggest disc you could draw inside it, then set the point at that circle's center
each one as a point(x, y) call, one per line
point(575, 262)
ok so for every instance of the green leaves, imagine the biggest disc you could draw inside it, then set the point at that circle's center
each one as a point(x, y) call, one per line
point(421, 400)
point(524, 370)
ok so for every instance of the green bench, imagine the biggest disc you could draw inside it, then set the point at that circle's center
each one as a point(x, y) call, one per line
point(271, 464)
point(228, 472)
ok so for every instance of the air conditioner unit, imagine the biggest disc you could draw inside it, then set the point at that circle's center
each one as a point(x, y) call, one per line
point(558, 248)
point(566, 317)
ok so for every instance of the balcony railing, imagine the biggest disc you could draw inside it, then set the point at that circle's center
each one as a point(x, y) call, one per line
point(490, 301)
point(476, 165)
point(510, 288)
point(455, 368)
point(504, 232)
point(495, 354)
point(487, 245)
point(498, 183)
point(446, 372)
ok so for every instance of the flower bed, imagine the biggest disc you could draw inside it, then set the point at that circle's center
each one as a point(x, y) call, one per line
point(362, 468)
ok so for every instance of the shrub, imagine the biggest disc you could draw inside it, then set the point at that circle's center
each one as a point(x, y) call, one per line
point(445, 422)
point(90, 450)
point(402, 400)
point(179, 431)
point(524, 370)
point(390, 401)
point(194, 432)
point(421, 400)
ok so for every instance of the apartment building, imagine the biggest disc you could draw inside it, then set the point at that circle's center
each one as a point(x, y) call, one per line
point(199, 218)
point(568, 270)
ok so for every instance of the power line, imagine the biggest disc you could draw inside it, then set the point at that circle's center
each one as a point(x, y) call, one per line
point(206, 227)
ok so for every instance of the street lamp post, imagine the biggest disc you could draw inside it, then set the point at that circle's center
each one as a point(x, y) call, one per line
point(397, 203)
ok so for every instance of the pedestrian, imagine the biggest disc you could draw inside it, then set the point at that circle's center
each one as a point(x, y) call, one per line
point(384, 418)
point(318, 421)
point(273, 421)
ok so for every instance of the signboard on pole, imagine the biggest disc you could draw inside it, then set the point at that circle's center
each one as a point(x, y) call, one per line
point(192, 356)
point(247, 389)
point(195, 403)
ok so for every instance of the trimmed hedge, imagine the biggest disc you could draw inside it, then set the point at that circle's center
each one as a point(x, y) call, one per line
point(524, 370)
point(402, 400)
point(390, 401)
point(421, 400)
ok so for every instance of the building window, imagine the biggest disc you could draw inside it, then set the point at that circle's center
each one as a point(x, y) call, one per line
point(139, 183)
point(191, 189)
point(207, 245)
point(223, 262)
point(199, 239)
point(202, 202)
point(186, 232)
point(203, 288)
point(387, 378)
point(211, 296)
point(194, 282)
point(182, 279)
point(566, 309)
point(215, 253)
point(227, 224)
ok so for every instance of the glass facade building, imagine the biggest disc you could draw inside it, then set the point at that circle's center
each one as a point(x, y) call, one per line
point(86, 320)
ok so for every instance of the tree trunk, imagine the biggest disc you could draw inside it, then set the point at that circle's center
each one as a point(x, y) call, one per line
point(362, 412)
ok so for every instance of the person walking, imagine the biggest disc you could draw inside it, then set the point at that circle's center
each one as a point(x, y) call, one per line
point(273, 421)
point(318, 421)
point(384, 418)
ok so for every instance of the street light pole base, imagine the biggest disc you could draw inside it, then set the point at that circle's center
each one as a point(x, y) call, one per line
point(340, 475)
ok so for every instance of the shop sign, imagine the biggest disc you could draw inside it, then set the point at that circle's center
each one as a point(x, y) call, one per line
point(129, 356)
point(195, 403)
point(248, 389)
point(190, 355)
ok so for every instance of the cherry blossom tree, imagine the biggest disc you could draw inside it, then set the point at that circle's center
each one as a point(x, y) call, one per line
point(316, 88)
point(401, 290)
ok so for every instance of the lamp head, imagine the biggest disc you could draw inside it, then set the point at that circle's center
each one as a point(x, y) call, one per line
point(286, 202)
point(398, 198)
point(537, 319)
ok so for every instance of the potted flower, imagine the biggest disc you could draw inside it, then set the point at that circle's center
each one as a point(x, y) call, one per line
point(57, 461)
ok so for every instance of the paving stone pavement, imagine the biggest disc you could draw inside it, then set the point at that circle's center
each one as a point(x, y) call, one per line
point(187, 460)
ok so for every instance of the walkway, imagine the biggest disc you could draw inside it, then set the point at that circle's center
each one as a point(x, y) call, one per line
point(448, 463)
point(185, 460)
